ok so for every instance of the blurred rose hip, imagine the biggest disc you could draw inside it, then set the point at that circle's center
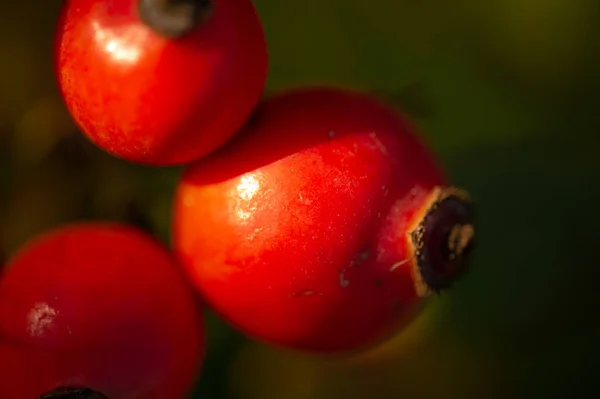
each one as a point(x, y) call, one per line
point(160, 82)
point(99, 305)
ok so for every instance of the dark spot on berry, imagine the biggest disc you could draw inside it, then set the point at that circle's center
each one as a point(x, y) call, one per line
point(73, 393)
point(360, 258)
point(306, 293)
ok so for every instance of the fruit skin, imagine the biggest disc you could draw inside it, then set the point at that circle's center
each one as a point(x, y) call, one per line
point(154, 100)
point(295, 231)
point(100, 305)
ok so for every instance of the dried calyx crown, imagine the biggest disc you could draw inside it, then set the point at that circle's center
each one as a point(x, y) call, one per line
point(174, 18)
point(442, 239)
point(73, 393)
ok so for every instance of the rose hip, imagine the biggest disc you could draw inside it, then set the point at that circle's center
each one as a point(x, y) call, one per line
point(324, 225)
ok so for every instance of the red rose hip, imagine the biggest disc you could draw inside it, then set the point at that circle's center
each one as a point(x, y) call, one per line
point(160, 82)
point(101, 306)
point(323, 225)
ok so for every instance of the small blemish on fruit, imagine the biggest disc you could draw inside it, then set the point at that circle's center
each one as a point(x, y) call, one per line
point(398, 264)
point(307, 293)
point(331, 134)
point(40, 319)
point(305, 201)
point(73, 389)
point(343, 282)
point(378, 143)
point(360, 258)
point(378, 282)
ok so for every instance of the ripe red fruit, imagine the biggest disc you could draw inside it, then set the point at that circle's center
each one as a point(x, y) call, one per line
point(102, 306)
point(323, 224)
point(160, 82)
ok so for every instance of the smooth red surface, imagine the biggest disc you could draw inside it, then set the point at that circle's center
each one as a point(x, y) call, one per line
point(153, 100)
point(295, 231)
point(99, 305)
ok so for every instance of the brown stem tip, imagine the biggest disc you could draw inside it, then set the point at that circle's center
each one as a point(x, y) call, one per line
point(174, 18)
point(441, 239)
point(72, 393)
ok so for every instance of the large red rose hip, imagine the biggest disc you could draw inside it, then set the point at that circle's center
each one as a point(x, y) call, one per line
point(160, 82)
point(102, 306)
point(323, 224)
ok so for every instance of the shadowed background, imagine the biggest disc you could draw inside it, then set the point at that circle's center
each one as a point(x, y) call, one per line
point(505, 91)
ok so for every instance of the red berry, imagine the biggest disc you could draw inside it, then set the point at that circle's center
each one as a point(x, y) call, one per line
point(300, 232)
point(102, 306)
point(160, 82)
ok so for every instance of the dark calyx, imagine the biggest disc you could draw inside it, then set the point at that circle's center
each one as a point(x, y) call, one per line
point(72, 393)
point(444, 239)
point(174, 18)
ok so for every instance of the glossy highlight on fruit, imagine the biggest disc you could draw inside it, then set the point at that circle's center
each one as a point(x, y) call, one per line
point(99, 305)
point(160, 82)
point(323, 225)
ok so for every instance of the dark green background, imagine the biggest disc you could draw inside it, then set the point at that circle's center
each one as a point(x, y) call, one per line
point(506, 92)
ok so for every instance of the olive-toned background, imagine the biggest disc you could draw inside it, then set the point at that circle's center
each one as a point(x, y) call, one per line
point(506, 91)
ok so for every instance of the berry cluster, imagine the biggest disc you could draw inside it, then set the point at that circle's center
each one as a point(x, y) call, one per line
point(313, 220)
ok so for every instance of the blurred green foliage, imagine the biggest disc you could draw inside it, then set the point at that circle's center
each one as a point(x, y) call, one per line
point(506, 93)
